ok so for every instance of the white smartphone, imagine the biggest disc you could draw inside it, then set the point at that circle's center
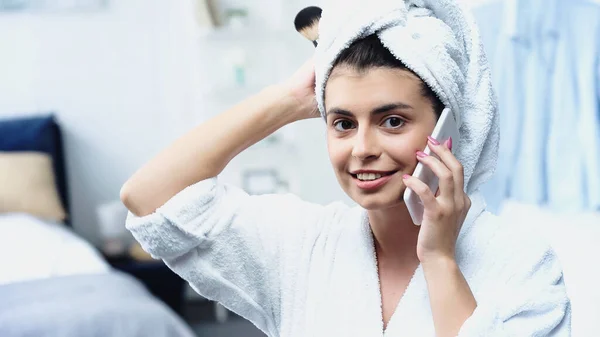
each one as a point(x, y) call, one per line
point(445, 128)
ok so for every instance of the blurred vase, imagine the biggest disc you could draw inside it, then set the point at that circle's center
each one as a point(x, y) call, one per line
point(111, 222)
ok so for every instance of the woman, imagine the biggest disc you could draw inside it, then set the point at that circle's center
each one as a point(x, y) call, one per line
point(295, 269)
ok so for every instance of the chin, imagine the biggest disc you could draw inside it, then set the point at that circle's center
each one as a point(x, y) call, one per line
point(373, 205)
point(378, 200)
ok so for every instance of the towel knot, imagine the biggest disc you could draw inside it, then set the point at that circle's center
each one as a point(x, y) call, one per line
point(417, 9)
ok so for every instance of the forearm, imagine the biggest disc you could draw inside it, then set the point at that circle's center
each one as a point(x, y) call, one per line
point(206, 150)
point(451, 299)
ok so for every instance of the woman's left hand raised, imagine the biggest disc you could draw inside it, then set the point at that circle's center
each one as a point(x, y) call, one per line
point(445, 211)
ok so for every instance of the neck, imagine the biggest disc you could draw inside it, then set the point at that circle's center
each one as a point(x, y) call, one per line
point(394, 234)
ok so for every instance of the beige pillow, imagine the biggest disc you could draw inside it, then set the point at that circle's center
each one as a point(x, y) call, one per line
point(27, 185)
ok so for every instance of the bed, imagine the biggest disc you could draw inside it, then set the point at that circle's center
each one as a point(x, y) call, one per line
point(53, 282)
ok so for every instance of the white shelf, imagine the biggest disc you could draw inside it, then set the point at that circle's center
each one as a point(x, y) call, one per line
point(231, 94)
point(228, 35)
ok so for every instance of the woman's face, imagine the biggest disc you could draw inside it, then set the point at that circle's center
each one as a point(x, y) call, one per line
point(376, 122)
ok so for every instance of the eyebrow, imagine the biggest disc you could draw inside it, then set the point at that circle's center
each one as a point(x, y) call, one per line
point(376, 111)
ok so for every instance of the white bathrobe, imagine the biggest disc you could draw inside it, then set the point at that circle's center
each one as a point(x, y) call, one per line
point(299, 269)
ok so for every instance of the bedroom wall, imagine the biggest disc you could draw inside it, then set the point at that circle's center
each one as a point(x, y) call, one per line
point(124, 83)
point(109, 77)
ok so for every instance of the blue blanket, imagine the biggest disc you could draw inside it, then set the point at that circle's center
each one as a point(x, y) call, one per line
point(112, 304)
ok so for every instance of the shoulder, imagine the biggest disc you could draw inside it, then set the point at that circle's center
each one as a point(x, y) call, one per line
point(296, 212)
point(509, 253)
point(293, 205)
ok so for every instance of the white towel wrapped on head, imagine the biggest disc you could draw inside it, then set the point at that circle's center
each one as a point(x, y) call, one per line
point(439, 41)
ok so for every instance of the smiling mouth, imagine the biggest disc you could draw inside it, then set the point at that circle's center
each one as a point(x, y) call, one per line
point(372, 176)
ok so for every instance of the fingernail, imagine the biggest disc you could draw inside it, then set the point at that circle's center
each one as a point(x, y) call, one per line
point(406, 176)
point(421, 154)
point(433, 140)
point(449, 143)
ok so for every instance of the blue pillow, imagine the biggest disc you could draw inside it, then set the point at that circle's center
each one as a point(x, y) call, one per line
point(38, 134)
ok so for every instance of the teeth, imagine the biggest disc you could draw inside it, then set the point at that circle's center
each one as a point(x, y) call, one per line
point(368, 176)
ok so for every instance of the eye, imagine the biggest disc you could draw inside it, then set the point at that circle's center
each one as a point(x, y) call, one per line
point(393, 122)
point(343, 125)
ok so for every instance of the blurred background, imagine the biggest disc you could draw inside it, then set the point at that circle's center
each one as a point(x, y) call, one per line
point(92, 89)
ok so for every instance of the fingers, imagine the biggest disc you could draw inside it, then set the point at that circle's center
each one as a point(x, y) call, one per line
point(450, 174)
point(445, 176)
point(422, 190)
point(443, 151)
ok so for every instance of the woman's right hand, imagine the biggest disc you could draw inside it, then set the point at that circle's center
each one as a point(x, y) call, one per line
point(301, 88)
point(188, 160)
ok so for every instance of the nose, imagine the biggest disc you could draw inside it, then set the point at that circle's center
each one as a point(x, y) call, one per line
point(365, 145)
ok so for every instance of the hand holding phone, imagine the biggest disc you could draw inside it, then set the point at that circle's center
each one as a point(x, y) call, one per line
point(445, 128)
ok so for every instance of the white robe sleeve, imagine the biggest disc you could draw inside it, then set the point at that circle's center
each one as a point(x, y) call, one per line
point(232, 247)
point(533, 303)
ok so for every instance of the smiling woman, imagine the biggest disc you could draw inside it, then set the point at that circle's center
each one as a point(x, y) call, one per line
point(288, 265)
point(379, 114)
point(377, 120)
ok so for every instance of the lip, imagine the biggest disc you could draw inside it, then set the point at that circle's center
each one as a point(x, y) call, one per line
point(372, 171)
point(372, 184)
